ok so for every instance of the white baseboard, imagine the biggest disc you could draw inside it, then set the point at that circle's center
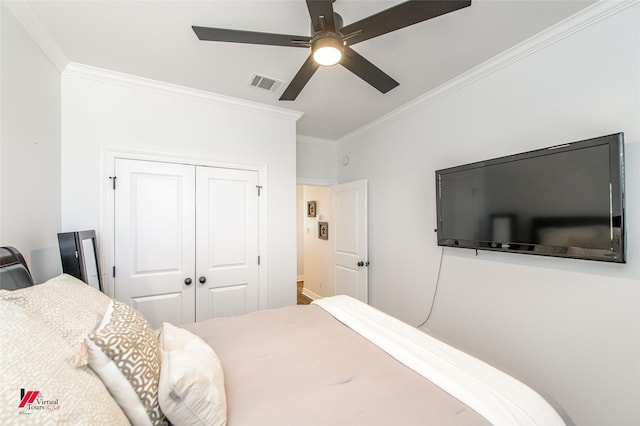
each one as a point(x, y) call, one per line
point(311, 295)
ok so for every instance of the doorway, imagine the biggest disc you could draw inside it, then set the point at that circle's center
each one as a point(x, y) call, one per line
point(333, 240)
point(314, 253)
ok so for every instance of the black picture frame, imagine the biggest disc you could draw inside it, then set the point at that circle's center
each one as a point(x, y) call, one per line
point(311, 209)
point(79, 256)
point(323, 230)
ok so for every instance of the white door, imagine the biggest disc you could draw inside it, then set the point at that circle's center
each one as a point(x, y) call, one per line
point(185, 240)
point(226, 242)
point(350, 257)
point(154, 222)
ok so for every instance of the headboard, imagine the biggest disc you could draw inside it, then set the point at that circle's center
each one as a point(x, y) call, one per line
point(14, 272)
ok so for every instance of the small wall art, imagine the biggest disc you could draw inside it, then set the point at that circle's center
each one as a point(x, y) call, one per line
point(323, 230)
point(311, 209)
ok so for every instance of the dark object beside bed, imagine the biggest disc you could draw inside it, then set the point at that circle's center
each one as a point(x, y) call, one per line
point(14, 272)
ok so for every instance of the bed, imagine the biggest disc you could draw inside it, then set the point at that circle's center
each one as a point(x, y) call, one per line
point(14, 272)
point(340, 361)
point(70, 354)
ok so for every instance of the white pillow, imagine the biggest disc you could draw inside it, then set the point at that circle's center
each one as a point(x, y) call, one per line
point(67, 304)
point(191, 389)
point(124, 351)
point(34, 358)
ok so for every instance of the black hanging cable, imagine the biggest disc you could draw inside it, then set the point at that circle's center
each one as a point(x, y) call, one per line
point(435, 291)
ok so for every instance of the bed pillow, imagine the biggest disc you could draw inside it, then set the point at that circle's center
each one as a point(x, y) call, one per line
point(40, 383)
point(191, 389)
point(124, 351)
point(68, 305)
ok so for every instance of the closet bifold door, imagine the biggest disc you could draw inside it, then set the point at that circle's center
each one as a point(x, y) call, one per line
point(226, 242)
point(154, 239)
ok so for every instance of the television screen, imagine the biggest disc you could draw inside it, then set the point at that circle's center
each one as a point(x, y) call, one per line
point(566, 200)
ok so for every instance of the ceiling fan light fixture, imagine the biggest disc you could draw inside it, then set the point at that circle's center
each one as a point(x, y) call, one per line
point(327, 51)
point(331, 41)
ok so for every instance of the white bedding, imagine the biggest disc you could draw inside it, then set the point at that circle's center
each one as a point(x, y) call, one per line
point(498, 397)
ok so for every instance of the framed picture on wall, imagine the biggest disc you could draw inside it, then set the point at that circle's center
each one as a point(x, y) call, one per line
point(323, 230)
point(311, 209)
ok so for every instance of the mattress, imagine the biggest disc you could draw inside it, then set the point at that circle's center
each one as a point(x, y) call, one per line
point(341, 362)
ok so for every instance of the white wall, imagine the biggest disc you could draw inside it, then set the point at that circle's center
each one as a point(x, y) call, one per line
point(30, 150)
point(569, 328)
point(315, 161)
point(318, 279)
point(104, 112)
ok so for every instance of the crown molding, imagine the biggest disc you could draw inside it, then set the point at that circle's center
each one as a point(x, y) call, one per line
point(25, 16)
point(314, 140)
point(569, 26)
point(141, 83)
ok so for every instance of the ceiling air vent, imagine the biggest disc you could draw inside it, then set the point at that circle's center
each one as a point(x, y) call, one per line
point(266, 83)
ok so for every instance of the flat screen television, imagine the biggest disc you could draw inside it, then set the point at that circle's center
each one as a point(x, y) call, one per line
point(566, 201)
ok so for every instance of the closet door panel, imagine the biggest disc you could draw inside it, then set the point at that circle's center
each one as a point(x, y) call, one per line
point(226, 242)
point(155, 239)
point(225, 301)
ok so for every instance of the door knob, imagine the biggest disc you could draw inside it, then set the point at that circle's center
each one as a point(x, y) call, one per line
point(187, 281)
point(361, 263)
point(202, 280)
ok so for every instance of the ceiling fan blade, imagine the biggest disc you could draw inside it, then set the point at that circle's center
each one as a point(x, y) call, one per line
point(400, 16)
point(300, 80)
point(318, 8)
point(250, 37)
point(364, 69)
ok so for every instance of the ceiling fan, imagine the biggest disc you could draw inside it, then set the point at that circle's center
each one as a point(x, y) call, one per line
point(331, 42)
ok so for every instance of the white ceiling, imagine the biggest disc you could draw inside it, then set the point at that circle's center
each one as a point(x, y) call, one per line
point(153, 39)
